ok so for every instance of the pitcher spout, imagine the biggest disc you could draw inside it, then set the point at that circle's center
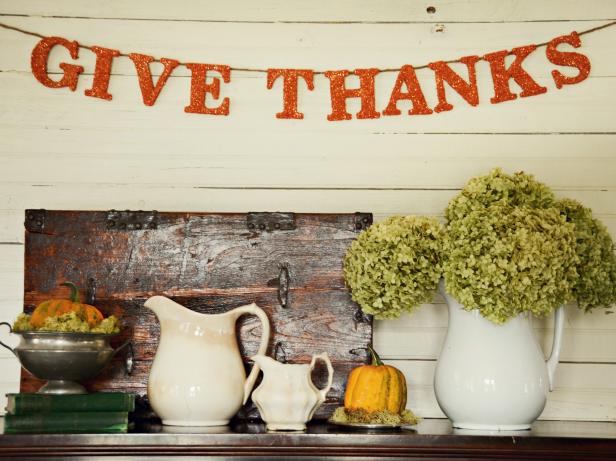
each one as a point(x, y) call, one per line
point(264, 362)
point(163, 307)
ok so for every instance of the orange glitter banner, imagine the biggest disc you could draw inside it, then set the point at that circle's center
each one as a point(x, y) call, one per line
point(207, 80)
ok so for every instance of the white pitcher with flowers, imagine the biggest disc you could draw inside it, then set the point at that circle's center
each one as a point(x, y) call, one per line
point(510, 251)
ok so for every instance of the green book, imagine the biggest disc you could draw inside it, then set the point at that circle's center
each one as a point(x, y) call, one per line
point(84, 422)
point(22, 404)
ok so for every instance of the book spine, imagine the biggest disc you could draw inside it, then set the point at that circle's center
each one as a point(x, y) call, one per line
point(84, 422)
point(22, 404)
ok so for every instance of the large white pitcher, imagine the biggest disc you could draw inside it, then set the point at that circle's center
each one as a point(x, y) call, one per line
point(493, 377)
point(197, 377)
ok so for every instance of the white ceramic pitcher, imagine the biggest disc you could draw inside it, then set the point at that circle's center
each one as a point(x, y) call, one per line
point(493, 377)
point(197, 377)
point(287, 397)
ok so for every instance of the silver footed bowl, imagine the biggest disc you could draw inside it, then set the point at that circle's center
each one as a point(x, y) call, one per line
point(64, 359)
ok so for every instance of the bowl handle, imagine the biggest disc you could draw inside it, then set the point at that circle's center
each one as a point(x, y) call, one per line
point(130, 356)
point(10, 331)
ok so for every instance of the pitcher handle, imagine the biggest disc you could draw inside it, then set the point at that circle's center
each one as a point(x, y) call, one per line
point(10, 331)
point(552, 362)
point(330, 372)
point(253, 309)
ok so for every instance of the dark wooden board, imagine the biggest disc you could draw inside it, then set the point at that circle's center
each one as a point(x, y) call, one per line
point(429, 440)
point(210, 263)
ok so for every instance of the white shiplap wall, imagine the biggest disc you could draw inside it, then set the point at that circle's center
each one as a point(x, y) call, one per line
point(62, 150)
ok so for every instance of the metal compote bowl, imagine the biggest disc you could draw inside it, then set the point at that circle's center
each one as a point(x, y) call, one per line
point(63, 358)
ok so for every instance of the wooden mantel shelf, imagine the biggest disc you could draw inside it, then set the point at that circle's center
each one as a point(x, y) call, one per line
point(431, 439)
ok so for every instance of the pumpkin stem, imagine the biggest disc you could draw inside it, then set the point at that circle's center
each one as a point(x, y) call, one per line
point(74, 291)
point(376, 360)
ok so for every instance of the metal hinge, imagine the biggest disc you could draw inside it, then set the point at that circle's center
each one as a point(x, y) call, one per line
point(270, 221)
point(132, 220)
point(362, 221)
point(35, 220)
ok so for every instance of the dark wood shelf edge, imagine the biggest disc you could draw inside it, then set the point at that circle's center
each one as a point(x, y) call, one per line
point(433, 440)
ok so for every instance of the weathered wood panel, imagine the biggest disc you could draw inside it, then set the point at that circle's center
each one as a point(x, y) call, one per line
point(210, 263)
point(186, 252)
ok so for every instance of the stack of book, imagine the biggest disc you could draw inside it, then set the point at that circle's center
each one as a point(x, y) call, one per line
point(102, 412)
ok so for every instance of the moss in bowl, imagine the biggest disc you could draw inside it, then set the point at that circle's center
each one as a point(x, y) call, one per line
point(70, 322)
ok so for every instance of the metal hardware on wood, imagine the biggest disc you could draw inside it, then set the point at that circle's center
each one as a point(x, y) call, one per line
point(91, 291)
point(362, 221)
point(132, 220)
point(361, 351)
point(360, 317)
point(129, 363)
point(270, 221)
point(280, 354)
point(35, 220)
point(283, 285)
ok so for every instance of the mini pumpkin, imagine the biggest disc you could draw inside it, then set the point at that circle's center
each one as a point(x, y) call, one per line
point(376, 387)
point(57, 307)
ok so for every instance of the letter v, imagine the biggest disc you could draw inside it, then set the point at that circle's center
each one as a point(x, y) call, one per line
point(148, 90)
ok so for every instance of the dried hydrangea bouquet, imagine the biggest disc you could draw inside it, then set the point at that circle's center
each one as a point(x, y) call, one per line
point(509, 249)
point(395, 265)
point(509, 246)
point(513, 248)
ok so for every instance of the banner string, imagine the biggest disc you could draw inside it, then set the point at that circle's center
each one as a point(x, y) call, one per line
point(248, 69)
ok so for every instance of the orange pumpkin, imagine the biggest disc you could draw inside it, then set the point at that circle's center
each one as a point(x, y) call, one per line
point(376, 387)
point(57, 307)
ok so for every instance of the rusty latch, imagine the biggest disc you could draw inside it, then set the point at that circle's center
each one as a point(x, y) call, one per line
point(132, 220)
point(35, 220)
point(270, 222)
point(362, 221)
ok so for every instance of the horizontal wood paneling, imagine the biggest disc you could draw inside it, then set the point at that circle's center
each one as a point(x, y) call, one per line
point(252, 106)
point(262, 46)
point(582, 391)
point(587, 337)
point(321, 10)
point(11, 304)
point(9, 378)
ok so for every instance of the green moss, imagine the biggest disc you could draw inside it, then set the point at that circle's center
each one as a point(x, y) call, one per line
point(395, 265)
point(69, 322)
point(22, 323)
point(109, 325)
point(344, 415)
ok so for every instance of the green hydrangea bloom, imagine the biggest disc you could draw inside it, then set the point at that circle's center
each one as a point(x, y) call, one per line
point(505, 260)
point(395, 265)
point(519, 189)
point(596, 286)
